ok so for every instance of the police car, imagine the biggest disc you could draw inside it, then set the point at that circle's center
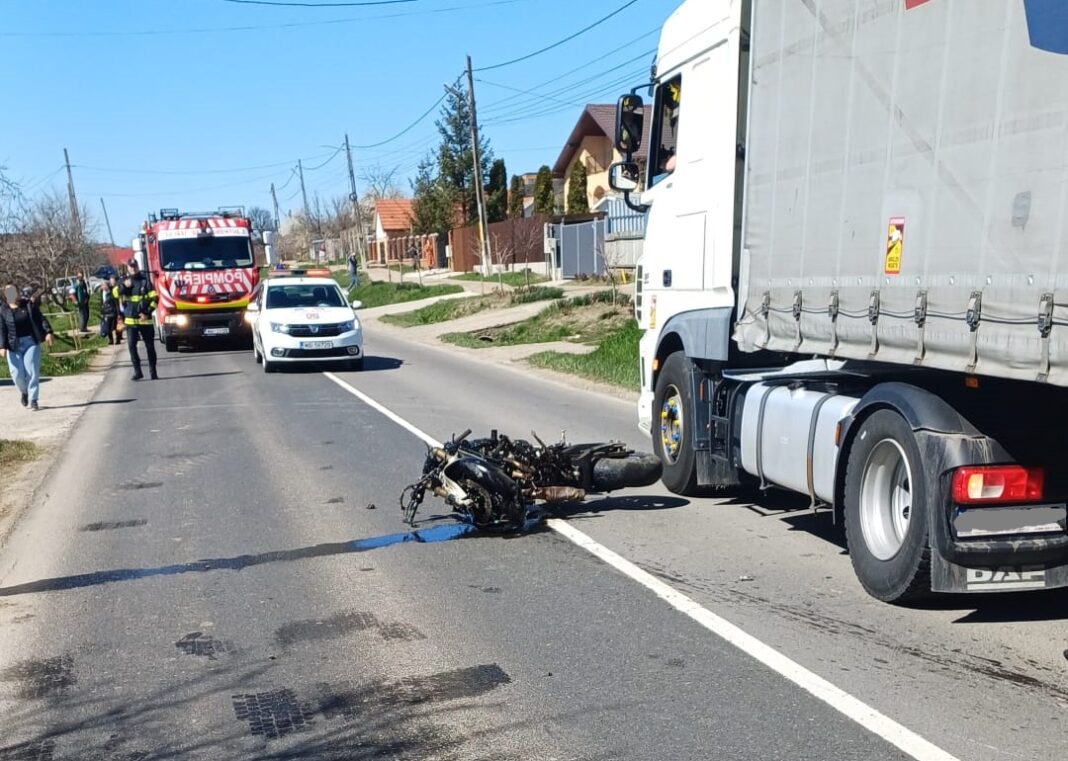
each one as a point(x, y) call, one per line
point(297, 319)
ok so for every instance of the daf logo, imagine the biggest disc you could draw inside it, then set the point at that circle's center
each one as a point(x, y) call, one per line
point(314, 329)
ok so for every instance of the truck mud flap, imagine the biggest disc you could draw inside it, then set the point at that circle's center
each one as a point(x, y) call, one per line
point(950, 577)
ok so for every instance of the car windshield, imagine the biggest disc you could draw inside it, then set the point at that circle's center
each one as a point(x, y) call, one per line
point(303, 296)
point(208, 252)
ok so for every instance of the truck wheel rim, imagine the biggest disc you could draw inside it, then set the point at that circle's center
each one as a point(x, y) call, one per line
point(886, 499)
point(671, 426)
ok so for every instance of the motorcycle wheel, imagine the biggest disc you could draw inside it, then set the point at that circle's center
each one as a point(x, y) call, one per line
point(636, 469)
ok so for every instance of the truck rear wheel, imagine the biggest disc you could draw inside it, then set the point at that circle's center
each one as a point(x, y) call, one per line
point(886, 505)
point(672, 414)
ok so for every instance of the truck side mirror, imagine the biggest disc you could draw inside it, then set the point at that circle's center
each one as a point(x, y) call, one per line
point(623, 176)
point(630, 122)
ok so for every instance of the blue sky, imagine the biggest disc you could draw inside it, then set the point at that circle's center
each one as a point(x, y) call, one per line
point(177, 91)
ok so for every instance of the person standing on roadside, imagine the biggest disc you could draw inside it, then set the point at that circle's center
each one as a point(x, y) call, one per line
point(81, 300)
point(23, 328)
point(138, 298)
point(109, 312)
point(353, 268)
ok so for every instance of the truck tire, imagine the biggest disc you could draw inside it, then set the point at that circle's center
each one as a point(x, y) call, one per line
point(673, 412)
point(886, 504)
point(170, 343)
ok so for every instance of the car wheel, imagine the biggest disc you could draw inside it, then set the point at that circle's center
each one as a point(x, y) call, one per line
point(256, 352)
point(268, 366)
point(885, 510)
point(356, 364)
point(672, 415)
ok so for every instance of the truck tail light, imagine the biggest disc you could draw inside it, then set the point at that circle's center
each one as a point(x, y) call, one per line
point(998, 484)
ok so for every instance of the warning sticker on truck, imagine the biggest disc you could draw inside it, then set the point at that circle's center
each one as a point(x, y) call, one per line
point(895, 243)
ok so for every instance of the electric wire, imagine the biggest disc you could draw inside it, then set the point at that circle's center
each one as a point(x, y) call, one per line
point(557, 44)
point(318, 5)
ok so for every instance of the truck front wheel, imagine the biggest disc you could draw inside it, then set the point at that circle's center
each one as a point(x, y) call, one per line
point(886, 505)
point(673, 413)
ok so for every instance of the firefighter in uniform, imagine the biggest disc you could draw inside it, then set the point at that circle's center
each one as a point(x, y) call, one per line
point(138, 298)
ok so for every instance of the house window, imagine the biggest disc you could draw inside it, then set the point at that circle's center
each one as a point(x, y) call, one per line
point(665, 129)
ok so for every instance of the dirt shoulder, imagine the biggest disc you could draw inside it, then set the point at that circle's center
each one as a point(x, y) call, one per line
point(63, 399)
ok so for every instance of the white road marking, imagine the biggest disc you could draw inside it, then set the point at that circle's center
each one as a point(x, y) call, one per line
point(863, 714)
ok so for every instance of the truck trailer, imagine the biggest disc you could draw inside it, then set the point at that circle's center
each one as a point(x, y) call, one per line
point(854, 283)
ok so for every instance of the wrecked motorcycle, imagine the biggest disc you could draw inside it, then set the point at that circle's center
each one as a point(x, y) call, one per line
point(491, 482)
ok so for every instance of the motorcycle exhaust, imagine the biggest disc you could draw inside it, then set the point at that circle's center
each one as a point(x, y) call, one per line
point(556, 495)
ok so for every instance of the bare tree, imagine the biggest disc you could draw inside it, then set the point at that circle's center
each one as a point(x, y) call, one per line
point(381, 182)
point(261, 218)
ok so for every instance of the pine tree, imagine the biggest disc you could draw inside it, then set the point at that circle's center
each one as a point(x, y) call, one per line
point(515, 198)
point(456, 170)
point(578, 192)
point(431, 201)
point(497, 192)
point(544, 193)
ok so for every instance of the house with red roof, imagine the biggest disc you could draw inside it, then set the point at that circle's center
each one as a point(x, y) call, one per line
point(393, 220)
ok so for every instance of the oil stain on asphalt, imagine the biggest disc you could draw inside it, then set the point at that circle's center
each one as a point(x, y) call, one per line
point(342, 624)
point(47, 677)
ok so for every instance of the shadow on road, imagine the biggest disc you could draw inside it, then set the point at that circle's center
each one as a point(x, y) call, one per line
point(8, 382)
point(635, 502)
point(441, 533)
point(86, 404)
point(371, 364)
point(200, 375)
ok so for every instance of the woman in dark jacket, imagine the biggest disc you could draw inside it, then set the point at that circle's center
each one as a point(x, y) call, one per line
point(23, 328)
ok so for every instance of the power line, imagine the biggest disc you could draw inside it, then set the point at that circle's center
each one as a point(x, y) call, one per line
point(164, 32)
point(317, 5)
point(570, 37)
point(333, 156)
point(237, 170)
point(407, 129)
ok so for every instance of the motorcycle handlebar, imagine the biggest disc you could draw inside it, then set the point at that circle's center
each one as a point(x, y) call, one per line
point(462, 436)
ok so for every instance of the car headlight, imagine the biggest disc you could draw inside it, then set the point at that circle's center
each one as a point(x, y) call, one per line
point(346, 327)
point(279, 327)
point(177, 319)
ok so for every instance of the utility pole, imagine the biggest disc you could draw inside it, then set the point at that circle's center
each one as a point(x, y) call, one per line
point(303, 192)
point(476, 152)
point(277, 219)
point(107, 222)
point(74, 216)
point(362, 245)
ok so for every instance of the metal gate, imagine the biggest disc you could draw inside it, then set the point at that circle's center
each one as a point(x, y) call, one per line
point(580, 249)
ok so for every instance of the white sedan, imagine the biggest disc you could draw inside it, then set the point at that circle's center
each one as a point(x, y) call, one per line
point(304, 319)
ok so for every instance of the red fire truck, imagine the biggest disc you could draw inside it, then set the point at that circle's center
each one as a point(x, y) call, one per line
point(203, 266)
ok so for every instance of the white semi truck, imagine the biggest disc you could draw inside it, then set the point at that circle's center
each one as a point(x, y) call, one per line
point(855, 275)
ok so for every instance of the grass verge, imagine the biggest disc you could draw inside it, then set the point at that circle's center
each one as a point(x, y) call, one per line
point(380, 294)
point(614, 361)
point(514, 279)
point(65, 357)
point(454, 309)
point(583, 319)
point(17, 452)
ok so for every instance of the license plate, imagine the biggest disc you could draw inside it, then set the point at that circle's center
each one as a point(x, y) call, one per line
point(317, 344)
point(216, 331)
point(978, 523)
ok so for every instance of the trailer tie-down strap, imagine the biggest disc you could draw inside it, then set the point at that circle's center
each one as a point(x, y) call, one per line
point(1045, 328)
point(873, 318)
point(920, 316)
point(973, 317)
point(798, 304)
point(832, 311)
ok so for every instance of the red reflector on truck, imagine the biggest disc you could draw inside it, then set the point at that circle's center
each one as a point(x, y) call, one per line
point(997, 484)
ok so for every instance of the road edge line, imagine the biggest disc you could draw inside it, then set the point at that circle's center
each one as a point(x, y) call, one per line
point(871, 719)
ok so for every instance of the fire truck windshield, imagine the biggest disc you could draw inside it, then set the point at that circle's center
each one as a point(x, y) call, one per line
point(209, 252)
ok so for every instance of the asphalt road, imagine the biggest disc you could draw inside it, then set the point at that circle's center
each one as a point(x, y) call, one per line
point(203, 578)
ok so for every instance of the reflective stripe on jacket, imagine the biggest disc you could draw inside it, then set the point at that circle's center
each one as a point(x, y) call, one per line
point(138, 300)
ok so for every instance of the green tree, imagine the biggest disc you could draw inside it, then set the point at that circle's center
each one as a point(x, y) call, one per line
point(515, 198)
point(544, 194)
point(456, 167)
point(497, 192)
point(431, 202)
point(578, 192)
